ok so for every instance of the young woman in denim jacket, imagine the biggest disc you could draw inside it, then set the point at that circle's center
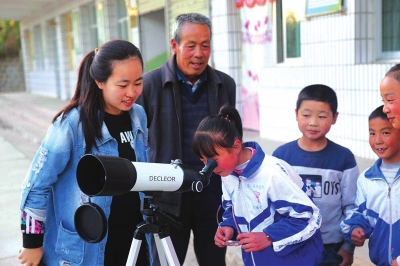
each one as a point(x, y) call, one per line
point(109, 82)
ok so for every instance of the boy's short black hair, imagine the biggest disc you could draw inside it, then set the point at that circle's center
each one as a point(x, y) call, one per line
point(378, 113)
point(319, 93)
point(394, 72)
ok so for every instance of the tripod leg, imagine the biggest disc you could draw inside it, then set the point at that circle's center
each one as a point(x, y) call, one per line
point(160, 250)
point(169, 251)
point(133, 252)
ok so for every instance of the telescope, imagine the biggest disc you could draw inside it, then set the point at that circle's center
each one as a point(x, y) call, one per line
point(99, 175)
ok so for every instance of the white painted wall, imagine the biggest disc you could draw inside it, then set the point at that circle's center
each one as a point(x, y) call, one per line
point(335, 53)
point(226, 41)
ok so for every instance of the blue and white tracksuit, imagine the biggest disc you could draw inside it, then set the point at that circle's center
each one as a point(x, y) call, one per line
point(264, 198)
point(378, 213)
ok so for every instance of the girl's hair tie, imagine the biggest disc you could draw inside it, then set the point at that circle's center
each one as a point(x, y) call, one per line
point(226, 116)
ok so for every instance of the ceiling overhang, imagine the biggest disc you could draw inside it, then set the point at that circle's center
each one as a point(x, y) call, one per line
point(24, 9)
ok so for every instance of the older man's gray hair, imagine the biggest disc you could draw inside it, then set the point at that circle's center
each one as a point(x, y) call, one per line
point(194, 18)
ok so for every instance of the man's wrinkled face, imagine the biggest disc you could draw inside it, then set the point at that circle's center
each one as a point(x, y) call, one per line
point(193, 51)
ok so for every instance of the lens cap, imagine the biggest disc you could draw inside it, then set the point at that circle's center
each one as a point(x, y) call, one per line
point(90, 222)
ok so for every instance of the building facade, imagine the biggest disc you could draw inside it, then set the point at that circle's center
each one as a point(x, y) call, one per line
point(272, 48)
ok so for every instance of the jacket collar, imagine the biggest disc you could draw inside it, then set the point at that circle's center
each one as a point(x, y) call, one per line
point(136, 126)
point(375, 171)
point(170, 74)
point(255, 161)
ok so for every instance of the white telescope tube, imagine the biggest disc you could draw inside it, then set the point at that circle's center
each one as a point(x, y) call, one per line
point(99, 175)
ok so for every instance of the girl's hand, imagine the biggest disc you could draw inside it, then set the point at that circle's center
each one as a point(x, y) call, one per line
point(222, 235)
point(30, 256)
point(394, 262)
point(254, 241)
point(358, 236)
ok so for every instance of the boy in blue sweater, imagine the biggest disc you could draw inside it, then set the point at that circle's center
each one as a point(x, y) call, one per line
point(377, 212)
point(319, 160)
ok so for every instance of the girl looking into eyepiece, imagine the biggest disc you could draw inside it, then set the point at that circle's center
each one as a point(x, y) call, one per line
point(265, 209)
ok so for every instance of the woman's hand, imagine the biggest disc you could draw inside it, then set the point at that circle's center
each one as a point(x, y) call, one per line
point(30, 256)
point(254, 241)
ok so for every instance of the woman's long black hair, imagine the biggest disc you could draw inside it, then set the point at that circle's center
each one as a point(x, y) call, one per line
point(96, 66)
point(217, 131)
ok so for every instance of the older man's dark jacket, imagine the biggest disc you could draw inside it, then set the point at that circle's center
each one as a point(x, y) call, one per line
point(161, 99)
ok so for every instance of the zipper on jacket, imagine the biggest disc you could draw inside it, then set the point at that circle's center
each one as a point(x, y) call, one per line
point(177, 115)
point(240, 184)
point(390, 251)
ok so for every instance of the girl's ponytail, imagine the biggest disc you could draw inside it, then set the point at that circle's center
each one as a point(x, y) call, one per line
point(231, 114)
point(219, 131)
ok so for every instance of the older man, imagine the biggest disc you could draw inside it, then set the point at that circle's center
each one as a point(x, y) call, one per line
point(176, 97)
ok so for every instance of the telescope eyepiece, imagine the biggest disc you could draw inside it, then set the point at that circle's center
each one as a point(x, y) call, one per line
point(208, 168)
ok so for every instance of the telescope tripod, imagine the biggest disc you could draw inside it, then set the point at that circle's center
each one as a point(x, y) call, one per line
point(159, 229)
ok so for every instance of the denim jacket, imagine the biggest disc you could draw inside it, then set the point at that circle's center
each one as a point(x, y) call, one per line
point(51, 191)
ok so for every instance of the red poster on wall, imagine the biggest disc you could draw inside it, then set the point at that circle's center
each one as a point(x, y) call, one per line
point(256, 18)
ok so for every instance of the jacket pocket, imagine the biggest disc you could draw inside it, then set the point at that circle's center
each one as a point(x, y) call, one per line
point(69, 247)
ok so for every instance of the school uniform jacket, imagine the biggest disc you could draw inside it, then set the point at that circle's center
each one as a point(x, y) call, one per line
point(378, 213)
point(264, 198)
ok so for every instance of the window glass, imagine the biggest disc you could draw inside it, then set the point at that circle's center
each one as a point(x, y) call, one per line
point(73, 38)
point(294, 13)
point(51, 44)
point(386, 26)
point(29, 48)
point(390, 25)
point(101, 23)
point(93, 32)
point(122, 21)
point(38, 54)
point(70, 42)
point(290, 13)
point(76, 32)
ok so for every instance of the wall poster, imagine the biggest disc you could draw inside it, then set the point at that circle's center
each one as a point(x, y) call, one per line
point(256, 19)
point(322, 7)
